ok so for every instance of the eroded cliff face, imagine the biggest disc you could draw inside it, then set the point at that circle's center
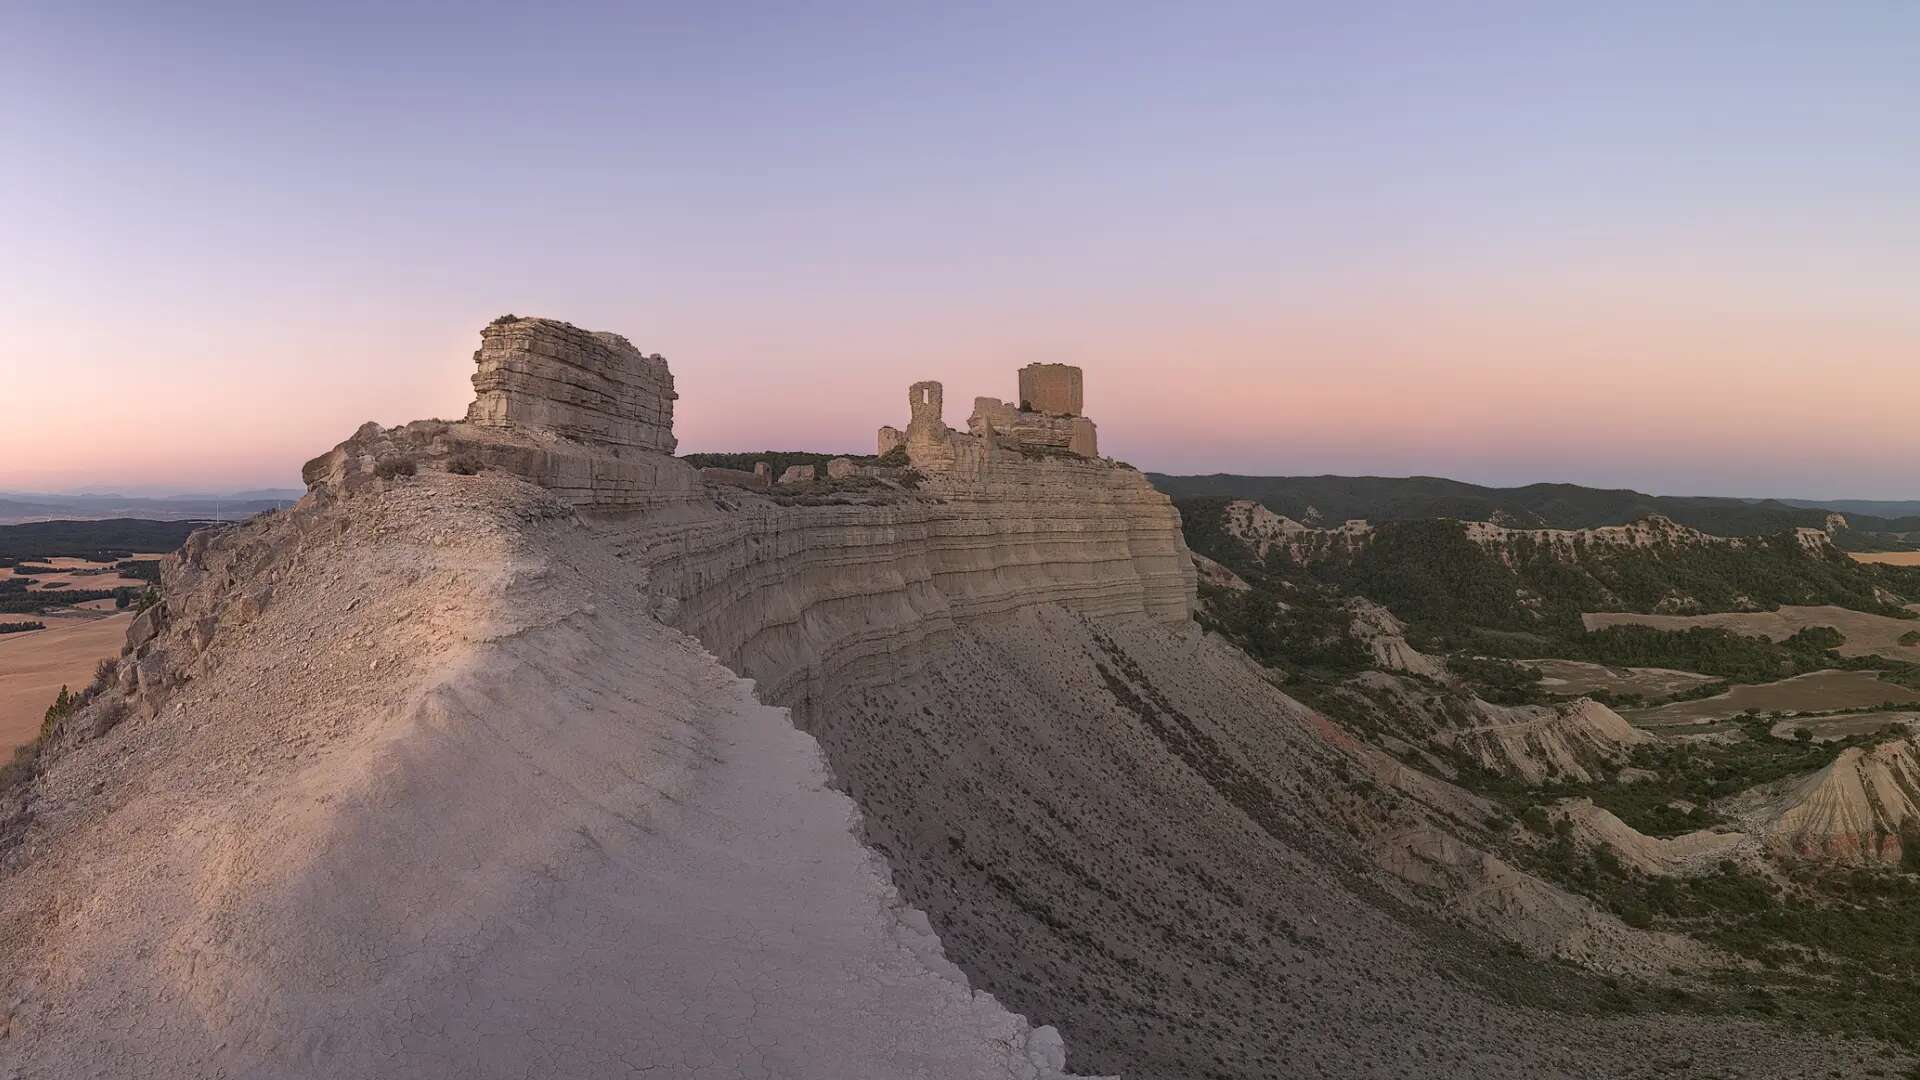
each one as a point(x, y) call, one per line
point(842, 580)
point(1862, 808)
point(593, 388)
point(795, 595)
point(1264, 531)
point(441, 774)
point(410, 783)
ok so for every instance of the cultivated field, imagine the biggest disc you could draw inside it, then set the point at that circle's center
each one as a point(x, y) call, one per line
point(1877, 635)
point(1892, 558)
point(73, 576)
point(35, 665)
point(1580, 677)
point(1828, 728)
point(1818, 691)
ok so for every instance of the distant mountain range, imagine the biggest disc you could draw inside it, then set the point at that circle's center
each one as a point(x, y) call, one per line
point(1885, 508)
point(18, 507)
point(1332, 499)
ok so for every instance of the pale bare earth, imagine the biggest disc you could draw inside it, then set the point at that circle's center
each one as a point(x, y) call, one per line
point(1891, 558)
point(36, 664)
point(1866, 634)
point(1857, 809)
point(617, 860)
point(1817, 691)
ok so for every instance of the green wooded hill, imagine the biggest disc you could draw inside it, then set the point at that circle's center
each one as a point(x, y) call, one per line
point(1451, 589)
point(1554, 506)
point(101, 541)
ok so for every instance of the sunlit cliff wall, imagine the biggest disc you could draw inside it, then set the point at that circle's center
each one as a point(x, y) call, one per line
point(843, 582)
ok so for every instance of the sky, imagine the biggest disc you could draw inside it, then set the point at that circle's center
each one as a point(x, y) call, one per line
point(1669, 246)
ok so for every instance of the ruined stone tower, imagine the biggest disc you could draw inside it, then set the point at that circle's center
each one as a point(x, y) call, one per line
point(1046, 421)
point(1053, 389)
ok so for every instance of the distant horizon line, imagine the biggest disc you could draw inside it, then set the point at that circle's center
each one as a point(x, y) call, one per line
point(169, 493)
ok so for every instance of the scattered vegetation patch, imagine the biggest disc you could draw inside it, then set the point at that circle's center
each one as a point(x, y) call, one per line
point(34, 603)
point(1829, 948)
point(777, 460)
point(147, 570)
point(1310, 634)
point(1707, 650)
point(388, 468)
point(1686, 778)
point(1502, 682)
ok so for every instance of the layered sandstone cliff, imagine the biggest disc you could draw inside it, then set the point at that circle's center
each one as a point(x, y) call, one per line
point(418, 778)
point(441, 774)
point(849, 582)
point(409, 783)
point(1864, 807)
point(593, 388)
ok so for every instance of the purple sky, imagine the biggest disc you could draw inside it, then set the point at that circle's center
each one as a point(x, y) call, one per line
point(1673, 247)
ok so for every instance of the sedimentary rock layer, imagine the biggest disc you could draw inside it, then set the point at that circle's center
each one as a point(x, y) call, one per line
point(1124, 828)
point(423, 778)
point(595, 388)
point(412, 785)
point(1864, 807)
point(793, 594)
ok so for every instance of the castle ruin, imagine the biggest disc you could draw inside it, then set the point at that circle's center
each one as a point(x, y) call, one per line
point(1046, 420)
point(1054, 389)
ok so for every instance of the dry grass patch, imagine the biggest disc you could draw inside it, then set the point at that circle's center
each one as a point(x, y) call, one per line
point(34, 666)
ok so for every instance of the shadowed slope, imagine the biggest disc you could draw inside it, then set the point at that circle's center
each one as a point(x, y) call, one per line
point(1124, 829)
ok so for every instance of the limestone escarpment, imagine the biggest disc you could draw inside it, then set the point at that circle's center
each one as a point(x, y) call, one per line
point(594, 388)
point(413, 785)
point(791, 595)
point(1264, 531)
point(854, 577)
point(421, 785)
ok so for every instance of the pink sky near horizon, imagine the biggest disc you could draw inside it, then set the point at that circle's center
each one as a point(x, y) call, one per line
point(1587, 388)
point(1652, 252)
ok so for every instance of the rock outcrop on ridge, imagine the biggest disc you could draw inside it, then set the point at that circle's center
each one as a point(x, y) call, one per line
point(451, 770)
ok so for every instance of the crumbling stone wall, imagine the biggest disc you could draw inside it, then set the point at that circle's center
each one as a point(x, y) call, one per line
point(594, 388)
point(1003, 425)
point(1053, 389)
point(929, 439)
point(999, 424)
